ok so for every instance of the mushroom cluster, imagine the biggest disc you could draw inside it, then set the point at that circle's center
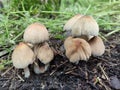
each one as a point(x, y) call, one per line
point(82, 40)
point(33, 50)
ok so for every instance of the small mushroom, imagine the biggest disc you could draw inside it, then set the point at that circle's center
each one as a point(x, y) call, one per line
point(36, 33)
point(85, 26)
point(77, 49)
point(97, 46)
point(45, 54)
point(22, 56)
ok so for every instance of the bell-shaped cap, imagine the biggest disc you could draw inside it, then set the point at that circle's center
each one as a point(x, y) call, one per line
point(77, 49)
point(36, 33)
point(44, 53)
point(71, 22)
point(22, 56)
point(85, 25)
point(97, 46)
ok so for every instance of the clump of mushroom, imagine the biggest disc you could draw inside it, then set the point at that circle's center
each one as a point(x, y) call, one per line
point(37, 34)
point(84, 27)
point(33, 49)
point(77, 49)
point(23, 56)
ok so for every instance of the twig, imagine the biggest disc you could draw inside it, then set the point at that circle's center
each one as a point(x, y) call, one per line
point(101, 59)
point(53, 72)
point(6, 71)
point(103, 84)
point(86, 73)
point(57, 68)
point(7, 81)
point(20, 78)
point(114, 64)
point(69, 71)
point(104, 73)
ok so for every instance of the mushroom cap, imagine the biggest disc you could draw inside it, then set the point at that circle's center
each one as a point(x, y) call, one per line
point(44, 53)
point(97, 46)
point(71, 22)
point(36, 33)
point(86, 25)
point(77, 49)
point(22, 56)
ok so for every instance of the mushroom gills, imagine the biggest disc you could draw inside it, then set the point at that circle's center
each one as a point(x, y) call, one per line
point(40, 67)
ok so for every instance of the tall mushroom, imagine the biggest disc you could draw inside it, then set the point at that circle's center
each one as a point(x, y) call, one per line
point(22, 56)
point(45, 54)
point(97, 46)
point(69, 24)
point(35, 34)
point(77, 49)
point(85, 26)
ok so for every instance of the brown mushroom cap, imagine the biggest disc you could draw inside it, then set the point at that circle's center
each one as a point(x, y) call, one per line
point(44, 53)
point(97, 46)
point(71, 21)
point(86, 25)
point(77, 49)
point(22, 56)
point(36, 33)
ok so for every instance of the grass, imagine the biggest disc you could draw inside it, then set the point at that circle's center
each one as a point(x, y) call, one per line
point(17, 15)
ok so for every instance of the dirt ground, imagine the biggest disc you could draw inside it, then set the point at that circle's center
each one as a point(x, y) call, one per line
point(99, 73)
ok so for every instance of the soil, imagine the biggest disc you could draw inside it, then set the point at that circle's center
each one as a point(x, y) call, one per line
point(95, 74)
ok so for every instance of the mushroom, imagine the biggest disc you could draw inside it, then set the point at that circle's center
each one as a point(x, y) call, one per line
point(45, 54)
point(35, 34)
point(69, 24)
point(85, 26)
point(77, 49)
point(22, 56)
point(97, 46)
point(71, 21)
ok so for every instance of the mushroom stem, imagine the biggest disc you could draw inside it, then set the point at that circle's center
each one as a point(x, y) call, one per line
point(46, 67)
point(36, 68)
point(26, 72)
point(90, 37)
point(30, 45)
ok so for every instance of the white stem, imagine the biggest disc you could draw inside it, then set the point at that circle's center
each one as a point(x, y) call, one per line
point(36, 68)
point(46, 67)
point(26, 72)
point(76, 62)
point(90, 37)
